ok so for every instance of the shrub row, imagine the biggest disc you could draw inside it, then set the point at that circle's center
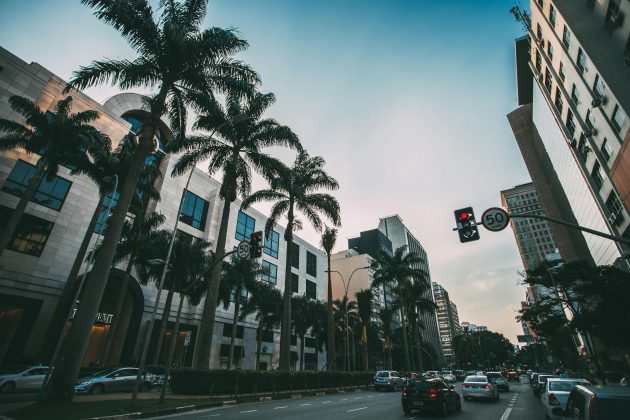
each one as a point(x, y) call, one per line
point(234, 382)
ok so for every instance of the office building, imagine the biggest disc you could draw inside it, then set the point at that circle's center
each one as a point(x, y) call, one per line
point(448, 322)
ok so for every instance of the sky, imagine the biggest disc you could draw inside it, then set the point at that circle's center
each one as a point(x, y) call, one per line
point(405, 99)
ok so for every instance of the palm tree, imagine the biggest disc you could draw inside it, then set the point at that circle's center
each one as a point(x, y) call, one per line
point(344, 310)
point(418, 303)
point(174, 58)
point(398, 271)
point(329, 238)
point(239, 275)
point(237, 134)
point(295, 189)
point(386, 316)
point(266, 302)
point(59, 138)
point(304, 319)
point(365, 307)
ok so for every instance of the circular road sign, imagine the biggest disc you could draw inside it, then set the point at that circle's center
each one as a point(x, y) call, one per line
point(495, 219)
point(243, 249)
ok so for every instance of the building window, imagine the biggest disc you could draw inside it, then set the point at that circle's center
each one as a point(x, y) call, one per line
point(552, 16)
point(295, 255)
point(311, 289)
point(227, 330)
point(606, 150)
point(30, 235)
point(590, 120)
point(267, 336)
point(548, 82)
point(311, 264)
point(583, 147)
point(614, 17)
point(597, 175)
point(539, 32)
point(598, 86)
point(566, 37)
point(575, 94)
point(550, 51)
point(295, 283)
point(538, 61)
point(614, 206)
point(570, 123)
point(559, 102)
point(272, 272)
point(581, 61)
point(194, 211)
point(272, 242)
point(540, 3)
point(51, 194)
point(310, 343)
point(245, 226)
point(618, 118)
point(562, 71)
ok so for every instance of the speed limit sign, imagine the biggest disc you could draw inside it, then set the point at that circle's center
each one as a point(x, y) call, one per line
point(243, 249)
point(495, 219)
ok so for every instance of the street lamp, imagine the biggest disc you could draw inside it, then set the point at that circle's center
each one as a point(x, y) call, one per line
point(345, 296)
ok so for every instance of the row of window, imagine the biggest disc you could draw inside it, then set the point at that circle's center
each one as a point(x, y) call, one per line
point(271, 276)
point(267, 336)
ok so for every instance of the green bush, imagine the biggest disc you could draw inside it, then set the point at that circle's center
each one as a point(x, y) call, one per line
point(234, 382)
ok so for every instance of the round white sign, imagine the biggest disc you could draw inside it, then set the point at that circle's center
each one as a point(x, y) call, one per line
point(495, 219)
point(243, 249)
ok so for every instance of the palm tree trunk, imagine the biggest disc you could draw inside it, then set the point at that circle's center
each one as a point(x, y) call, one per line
point(354, 354)
point(163, 325)
point(237, 304)
point(171, 350)
point(285, 334)
point(301, 351)
point(331, 322)
point(416, 336)
point(364, 352)
point(403, 324)
point(11, 225)
point(259, 334)
point(73, 348)
point(204, 344)
point(66, 300)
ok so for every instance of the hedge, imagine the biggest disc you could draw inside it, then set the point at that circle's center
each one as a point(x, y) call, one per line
point(234, 382)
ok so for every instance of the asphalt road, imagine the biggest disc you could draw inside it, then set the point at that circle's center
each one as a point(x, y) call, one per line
point(518, 404)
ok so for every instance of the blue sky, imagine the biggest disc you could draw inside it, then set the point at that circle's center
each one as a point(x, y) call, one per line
point(406, 100)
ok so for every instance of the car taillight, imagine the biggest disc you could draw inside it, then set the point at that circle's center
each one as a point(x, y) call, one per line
point(488, 386)
point(464, 386)
point(404, 392)
point(553, 400)
point(433, 393)
point(592, 408)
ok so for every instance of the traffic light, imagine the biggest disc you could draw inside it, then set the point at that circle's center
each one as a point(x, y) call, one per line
point(255, 245)
point(466, 225)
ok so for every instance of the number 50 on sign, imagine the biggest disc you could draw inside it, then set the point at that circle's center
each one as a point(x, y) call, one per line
point(495, 219)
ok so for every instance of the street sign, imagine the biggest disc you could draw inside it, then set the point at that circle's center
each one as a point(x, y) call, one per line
point(495, 219)
point(243, 249)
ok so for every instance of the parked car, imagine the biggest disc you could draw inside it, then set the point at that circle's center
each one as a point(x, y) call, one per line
point(513, 376)
point(541, 381)
point(430, 395)
point(110, 380)
point(388, 379)
point(459, 375)
point(22, 378)
point(557, 392)
point(479, 387)
point(448, 376)
point(587, 402)
point(500, 381)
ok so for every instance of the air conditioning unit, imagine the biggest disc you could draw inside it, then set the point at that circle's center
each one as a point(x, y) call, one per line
point(540, 77)
point(599, 101)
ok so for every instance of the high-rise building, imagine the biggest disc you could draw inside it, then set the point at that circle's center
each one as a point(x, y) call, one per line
point(399, 235)
point(533, 236)
point(448, 321)
point(574, 133)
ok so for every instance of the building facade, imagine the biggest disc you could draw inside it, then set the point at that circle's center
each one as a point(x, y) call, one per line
point(35, 266)
point(448, 322)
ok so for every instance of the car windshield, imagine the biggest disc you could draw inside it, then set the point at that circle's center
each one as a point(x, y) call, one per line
point(414, 384)
point(476, 379)
point(382, 374)
point(564, 386)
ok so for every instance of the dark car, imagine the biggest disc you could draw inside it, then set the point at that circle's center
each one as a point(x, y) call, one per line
point(587, 402)
point(430, 395)
point(513, 376)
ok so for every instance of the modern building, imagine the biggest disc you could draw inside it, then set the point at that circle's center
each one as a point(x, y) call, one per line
point(448, 322)
point(573, 135)
point(533, 236)
point(467, 326)
point(350, 269)
point(34, 268)
point(399, 235)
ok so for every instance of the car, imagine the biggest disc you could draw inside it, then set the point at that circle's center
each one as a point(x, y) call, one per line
point(513, 376)
point(588, 402)
point(110, 380)
point(541, 381)
point(459, 375)
point(500, 381)
point(448, 376)
point(479, 387)
point(430, 395)
point(556, 393)
point(388, 379)
point(28, 378)
point(432, 374)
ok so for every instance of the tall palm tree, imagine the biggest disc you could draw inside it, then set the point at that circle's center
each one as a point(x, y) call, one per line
point(398, 271)
point(294, 189)
point(365, 307)
point(59, 138)
point(418, 303)
point(344, 310)
point(266, 302)
point(239, 275)
point(328, 240)
point(175, 57)
point(386, 316)
point(303, 320)
point(238, 133)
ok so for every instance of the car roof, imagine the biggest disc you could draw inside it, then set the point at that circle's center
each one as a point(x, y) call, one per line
point(566, 379)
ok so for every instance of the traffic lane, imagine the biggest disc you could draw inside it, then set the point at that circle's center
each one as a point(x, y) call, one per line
point(527, 406)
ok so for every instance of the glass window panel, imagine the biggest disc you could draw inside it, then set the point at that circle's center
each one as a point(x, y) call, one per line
point(311, 289)
point(311, 264)
point(31, 234)
point(194, 211)
point(244, 226)
point(51, 194)
point(271, 245)
point(272, 274)
point(295, 255)
point(295, 283)
point(618, 118)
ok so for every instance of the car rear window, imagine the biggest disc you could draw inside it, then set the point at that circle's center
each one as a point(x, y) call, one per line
point(479, 379)
point(382, 374)
point(421, 385)
point(563, 386)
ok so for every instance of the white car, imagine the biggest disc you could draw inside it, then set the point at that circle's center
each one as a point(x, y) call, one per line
point(448, 376)
point(556, 393)
point(22, 379)
point(479, 387)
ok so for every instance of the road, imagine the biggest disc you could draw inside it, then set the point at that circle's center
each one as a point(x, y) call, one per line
point(518, 404)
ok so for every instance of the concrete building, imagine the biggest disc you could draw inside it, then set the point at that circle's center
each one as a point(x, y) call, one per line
point(573, 135)
point(467, 326)
point(448, 322)
point(399, 235)
point(533, 236)
point(34, 268)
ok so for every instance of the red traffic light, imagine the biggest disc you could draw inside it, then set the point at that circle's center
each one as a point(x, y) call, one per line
point(464, 215)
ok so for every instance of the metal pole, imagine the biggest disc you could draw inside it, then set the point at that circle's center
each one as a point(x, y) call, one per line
point(64, 331)
point(147, 341)
point(171, 350)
